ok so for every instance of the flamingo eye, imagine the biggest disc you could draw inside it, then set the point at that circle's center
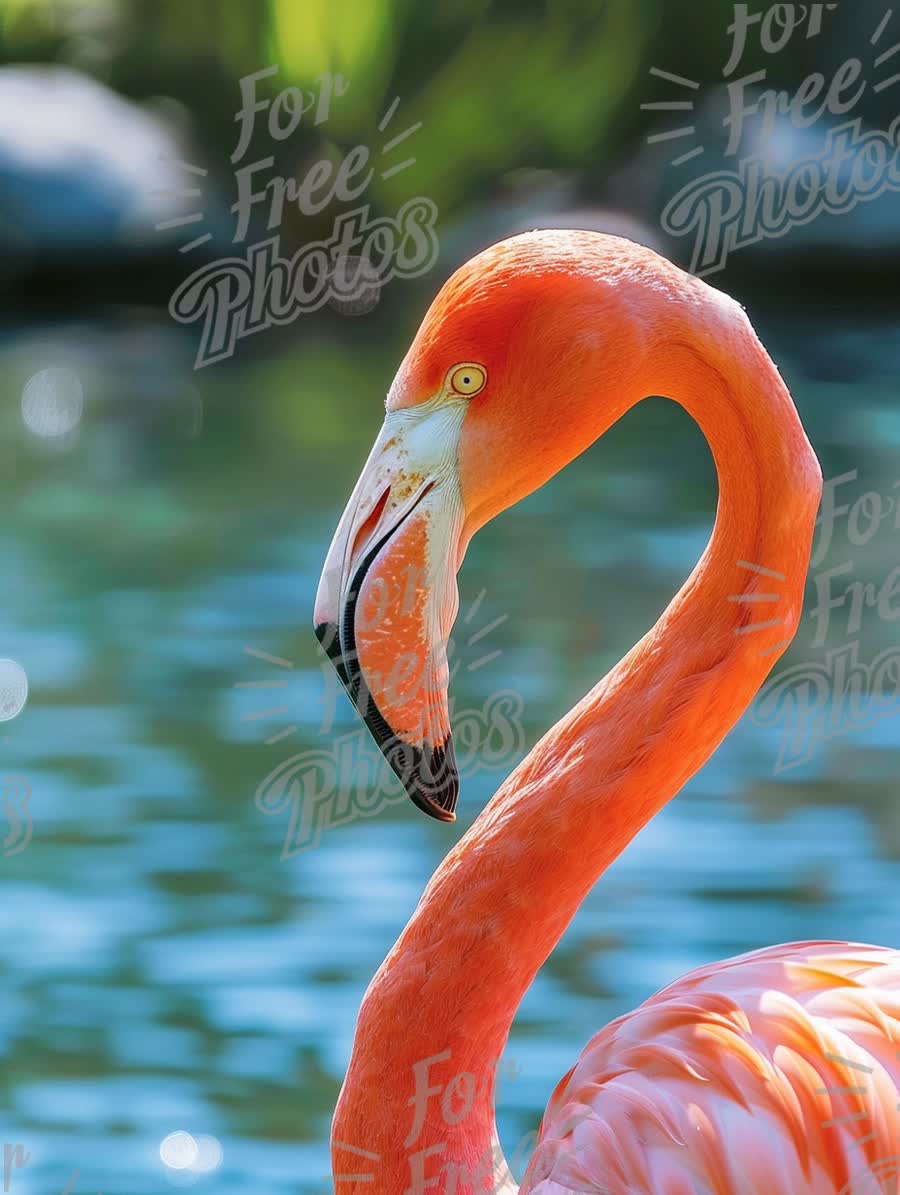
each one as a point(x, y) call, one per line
point(467, 379)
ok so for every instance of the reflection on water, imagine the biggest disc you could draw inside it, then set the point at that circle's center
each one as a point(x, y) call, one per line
point(162, 971)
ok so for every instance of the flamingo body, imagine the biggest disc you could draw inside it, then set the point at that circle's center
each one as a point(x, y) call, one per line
point(772, 1074)
point(777, 1072)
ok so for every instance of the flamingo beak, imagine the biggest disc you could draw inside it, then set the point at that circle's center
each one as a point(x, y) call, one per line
point(387, 599)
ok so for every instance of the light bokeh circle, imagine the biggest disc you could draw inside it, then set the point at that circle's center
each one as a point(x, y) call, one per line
point(178, 1151)
point(13, 690)
point(52, 402)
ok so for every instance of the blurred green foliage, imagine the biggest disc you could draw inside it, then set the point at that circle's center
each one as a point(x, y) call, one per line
point(497, 84)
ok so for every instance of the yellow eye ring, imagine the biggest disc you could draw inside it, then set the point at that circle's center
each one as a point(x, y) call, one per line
point(467, 379)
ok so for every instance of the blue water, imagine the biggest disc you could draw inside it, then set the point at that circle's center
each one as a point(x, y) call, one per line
point(161, 967)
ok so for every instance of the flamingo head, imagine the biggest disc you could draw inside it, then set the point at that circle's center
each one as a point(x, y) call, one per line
point(520, 363)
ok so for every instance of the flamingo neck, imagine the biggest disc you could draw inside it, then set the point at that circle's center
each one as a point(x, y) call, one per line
point(435, 1020)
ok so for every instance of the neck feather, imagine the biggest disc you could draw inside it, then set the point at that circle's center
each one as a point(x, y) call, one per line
point(435, 1020)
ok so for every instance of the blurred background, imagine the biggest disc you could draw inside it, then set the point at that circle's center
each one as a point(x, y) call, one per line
point(178, 978)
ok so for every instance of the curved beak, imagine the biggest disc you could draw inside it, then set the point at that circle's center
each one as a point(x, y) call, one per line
point(387, 598)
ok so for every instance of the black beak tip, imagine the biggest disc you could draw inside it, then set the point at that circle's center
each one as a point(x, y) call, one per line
point(429, 776)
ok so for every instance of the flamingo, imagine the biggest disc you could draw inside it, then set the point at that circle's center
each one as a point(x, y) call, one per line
point(775, 1073)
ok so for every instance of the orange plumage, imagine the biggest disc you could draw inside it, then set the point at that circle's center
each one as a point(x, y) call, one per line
point(773, 1074)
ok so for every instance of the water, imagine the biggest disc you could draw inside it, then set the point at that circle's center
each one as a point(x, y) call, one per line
point(161, 968)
